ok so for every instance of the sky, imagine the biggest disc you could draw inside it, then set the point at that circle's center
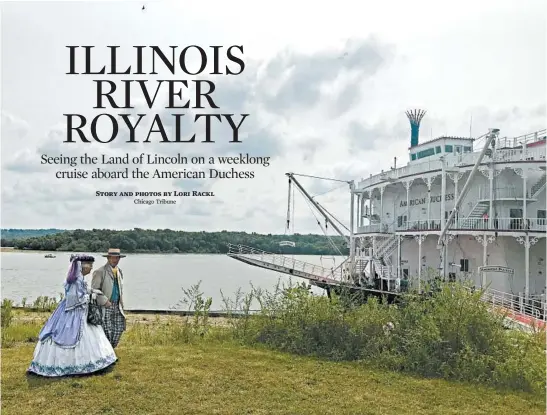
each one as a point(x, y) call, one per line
point(326, 88)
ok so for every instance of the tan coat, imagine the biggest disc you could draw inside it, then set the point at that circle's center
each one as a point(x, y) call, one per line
point(103, 279)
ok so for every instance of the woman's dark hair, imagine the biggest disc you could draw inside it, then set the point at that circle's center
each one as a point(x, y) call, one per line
point(81, 258)
point(73, 271)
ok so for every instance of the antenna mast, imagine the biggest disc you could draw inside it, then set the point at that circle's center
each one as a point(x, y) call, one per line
point(471, 126)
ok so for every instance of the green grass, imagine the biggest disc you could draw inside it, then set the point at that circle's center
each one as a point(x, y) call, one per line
point(444, 354)
point(165, 368)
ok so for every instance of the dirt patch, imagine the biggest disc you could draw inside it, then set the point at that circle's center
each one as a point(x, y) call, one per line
point(163, 318)
point(132, 318)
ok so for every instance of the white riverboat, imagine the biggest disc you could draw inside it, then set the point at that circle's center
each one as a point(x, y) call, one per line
point(462, 209)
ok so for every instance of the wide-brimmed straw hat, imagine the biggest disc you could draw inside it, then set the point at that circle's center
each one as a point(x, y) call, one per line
point(114, 252)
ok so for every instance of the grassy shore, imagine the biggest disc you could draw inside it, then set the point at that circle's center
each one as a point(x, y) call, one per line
point(165, 368)
point(445, 353)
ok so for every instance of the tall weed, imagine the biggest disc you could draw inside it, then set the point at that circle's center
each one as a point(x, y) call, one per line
point(448, 333)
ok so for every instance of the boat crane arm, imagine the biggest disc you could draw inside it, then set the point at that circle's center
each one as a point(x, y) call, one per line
point(334, 217)
point(318, 177)
point(317, 206)
point(492, 134)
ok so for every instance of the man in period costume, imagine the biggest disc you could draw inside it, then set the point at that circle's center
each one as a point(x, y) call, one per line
point(109, 279)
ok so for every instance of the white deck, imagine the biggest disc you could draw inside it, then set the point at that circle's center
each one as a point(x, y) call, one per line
point(516, 153)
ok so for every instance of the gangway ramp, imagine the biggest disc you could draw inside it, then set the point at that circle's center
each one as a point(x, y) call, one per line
point(327, 278)
point(316, 274)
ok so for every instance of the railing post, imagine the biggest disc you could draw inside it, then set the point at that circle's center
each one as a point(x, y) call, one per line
point(543, 306)
point(521, 302)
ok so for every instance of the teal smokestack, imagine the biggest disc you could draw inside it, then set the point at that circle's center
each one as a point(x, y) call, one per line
point(415, 117)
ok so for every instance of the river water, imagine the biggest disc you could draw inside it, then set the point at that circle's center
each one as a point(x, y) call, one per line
point(151, 281)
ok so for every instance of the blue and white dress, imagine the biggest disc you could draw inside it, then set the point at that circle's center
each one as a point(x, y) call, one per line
point(68, 344)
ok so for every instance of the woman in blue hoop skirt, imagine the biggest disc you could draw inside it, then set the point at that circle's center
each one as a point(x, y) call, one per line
point(67, 344)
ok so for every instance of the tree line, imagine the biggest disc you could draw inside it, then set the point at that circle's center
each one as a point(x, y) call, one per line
point(170, 241)
point(10, 234)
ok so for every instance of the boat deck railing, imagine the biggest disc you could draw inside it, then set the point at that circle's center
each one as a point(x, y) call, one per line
point(476, 224)
point(528, 312)
point(507, 192)
point(522, 140)
point(455, 160)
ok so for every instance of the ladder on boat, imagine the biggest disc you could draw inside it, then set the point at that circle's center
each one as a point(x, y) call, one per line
point(382, 258)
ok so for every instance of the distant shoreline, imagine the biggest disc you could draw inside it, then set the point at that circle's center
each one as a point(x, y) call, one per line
point(163, 242)
point(33, 251)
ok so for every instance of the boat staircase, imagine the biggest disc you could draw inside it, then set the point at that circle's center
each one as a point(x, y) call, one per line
point(539, 186)
point(358, 275)
point(482, 205)
point(479, 209)
point(382, 258)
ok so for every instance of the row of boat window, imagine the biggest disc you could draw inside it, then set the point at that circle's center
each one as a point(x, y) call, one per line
point(438, 149)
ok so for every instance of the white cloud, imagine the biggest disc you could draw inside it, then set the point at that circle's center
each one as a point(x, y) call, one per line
point(326, 89)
